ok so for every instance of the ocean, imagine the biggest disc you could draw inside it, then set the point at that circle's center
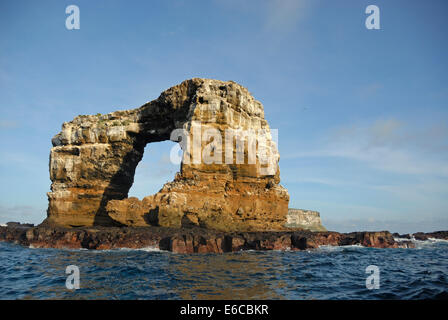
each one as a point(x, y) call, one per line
point(324, 273)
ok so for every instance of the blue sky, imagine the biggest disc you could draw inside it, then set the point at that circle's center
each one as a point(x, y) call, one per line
point(362, 114)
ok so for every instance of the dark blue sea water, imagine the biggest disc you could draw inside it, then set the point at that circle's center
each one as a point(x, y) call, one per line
point(325, 273)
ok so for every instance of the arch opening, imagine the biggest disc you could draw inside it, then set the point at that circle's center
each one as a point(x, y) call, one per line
point(154, 170)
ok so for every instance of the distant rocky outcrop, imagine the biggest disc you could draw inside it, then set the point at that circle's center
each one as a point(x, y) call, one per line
point(94, 157)
point(304, 219)
point(422, 236)
point(442, 235)
point(19, 225)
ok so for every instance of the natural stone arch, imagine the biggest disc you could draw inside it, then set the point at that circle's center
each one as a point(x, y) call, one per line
point(93, 162)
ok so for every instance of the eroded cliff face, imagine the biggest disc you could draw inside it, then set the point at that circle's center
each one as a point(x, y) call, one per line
point(93, 161)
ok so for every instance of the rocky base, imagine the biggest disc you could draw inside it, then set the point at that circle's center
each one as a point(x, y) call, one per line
point(191, 240)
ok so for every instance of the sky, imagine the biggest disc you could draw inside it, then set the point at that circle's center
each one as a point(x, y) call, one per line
point(362, 115)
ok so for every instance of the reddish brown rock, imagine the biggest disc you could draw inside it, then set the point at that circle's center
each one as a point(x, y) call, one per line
point(188, 241)
point(443, 235)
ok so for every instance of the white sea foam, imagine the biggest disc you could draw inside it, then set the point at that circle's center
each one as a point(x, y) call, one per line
point(437, 240)
point(151, 249)
point(401, 239)
point(146, 249)
point(338, 248)
point(31, 246)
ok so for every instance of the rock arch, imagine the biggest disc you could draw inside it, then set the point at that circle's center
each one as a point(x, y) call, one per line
point(94, 157)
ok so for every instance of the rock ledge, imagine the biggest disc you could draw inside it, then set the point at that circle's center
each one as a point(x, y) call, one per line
point(190, 240)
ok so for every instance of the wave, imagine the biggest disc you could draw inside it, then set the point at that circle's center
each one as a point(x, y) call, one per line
point(339, 248)
point(31, 246)
point(146, 249)
point(401, 239)
point(438, 240)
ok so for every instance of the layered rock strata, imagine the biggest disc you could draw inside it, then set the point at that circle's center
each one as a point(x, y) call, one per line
point(221, 185)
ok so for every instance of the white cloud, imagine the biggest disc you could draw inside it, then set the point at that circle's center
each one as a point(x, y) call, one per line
point(394, 170)
point(388, 145)
point(399, 225)
point(284, 14)
point(369, 90)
